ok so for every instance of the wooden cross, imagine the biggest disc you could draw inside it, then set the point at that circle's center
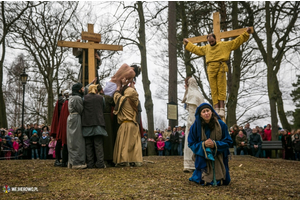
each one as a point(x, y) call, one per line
point(91, 45)
point(219, 35)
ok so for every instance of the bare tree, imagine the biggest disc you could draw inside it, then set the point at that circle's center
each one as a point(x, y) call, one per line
point(11, 12)
point(37, 33)
point(280, 27)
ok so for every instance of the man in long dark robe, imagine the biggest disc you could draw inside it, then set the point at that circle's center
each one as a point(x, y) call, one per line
point(55, 121)
point(61, 136)
point(75, 140)
point(111, 127)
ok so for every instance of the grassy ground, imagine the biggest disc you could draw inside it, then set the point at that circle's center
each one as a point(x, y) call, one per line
point(251, 178)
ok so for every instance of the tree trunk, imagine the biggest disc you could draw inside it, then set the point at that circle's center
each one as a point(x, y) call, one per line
point(185, 34)
point(172, 57)
point(270, 74)
point(146, 82)
point(50, 104)
point(3, 119)
point(233, 80)
point(280, 108)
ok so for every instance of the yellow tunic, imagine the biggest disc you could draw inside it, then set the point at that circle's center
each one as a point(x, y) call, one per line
point(216, 57)
point(128, 147)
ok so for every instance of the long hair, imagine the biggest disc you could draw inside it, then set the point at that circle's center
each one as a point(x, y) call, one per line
point(212, 122)
point(137, 70)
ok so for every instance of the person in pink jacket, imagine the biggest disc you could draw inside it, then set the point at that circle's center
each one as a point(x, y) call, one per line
point(16, 147)
point(160, 146)
point(268, 132)
point(51, 146)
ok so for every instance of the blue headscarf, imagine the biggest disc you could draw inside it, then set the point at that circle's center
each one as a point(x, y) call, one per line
point(197, 127)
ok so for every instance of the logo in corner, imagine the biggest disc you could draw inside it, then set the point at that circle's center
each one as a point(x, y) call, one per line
point(6, 189)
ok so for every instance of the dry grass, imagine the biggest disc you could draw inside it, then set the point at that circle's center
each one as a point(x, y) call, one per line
point(252, 178)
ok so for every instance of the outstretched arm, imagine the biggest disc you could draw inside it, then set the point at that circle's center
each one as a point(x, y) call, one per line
point(234, 44)
point(200, 51)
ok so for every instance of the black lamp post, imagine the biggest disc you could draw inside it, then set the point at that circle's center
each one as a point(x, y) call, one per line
point(24, 77)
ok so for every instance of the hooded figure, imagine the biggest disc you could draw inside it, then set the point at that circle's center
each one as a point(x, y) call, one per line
point(209, 131)
point(192, 99)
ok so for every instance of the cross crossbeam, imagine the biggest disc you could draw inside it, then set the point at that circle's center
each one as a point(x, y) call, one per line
point(91, 45)
point(217, 31)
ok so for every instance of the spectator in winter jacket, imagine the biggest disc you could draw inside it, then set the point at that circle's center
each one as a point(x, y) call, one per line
point(167, 146)
point(6, 148)
point(268, 132)
point(44, 141)
point(241, 143)
point(51, 146)
point(255, 143)
point(160, 146)
point(287, 145)
point(234, 133)
point(16, 147)
point(144, 144)
point(34, 144)
point(296, 145)
point(26, 147)
point(262, 133)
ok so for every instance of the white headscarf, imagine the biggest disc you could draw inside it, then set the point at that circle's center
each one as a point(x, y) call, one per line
point(192, 94)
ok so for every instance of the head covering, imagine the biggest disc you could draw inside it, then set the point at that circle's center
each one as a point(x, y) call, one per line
point(34, 131)
point(92, 89)
point(75, 89)
point(9, 133)
point(168, 137)
point(192, 94)
point(160, 136)
point(16, 138)
point(145, 134)
point(203, 106)
point(132, 94)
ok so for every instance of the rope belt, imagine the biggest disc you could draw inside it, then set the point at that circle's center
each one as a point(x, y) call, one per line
point(126, 121)
point(74, 113)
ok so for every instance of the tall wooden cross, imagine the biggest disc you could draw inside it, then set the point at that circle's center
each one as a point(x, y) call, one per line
point(219, 35)
point(91, 45)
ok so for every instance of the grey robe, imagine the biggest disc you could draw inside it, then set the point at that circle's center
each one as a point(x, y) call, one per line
point(75, 140)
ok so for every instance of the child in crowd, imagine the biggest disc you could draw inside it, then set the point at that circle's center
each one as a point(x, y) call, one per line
point(6, 148)
point(16, 147)
point(26, 144)
point(167, 146)
point(160, 146)
point(34, 144)
point(144, 144)
point(44, 141)
point(52, 145)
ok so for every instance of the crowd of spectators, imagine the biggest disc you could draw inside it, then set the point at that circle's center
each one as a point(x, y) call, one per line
point(247, 141)
point(168, 142)
point(33, 143)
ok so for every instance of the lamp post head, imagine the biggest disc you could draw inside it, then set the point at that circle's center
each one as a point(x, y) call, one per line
point(24, 77)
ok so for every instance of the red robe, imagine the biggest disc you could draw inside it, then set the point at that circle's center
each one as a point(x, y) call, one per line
point(62, 125)
point(54, 124)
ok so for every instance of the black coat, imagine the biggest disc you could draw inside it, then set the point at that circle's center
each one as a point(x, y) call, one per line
point(255, 139)
point(174, 138)
point(34, 139)
point(92, 114)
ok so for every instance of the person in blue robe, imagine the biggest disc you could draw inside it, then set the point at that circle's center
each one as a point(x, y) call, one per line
point(210, 141)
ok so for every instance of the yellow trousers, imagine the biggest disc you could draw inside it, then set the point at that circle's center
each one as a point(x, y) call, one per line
point(216, 72)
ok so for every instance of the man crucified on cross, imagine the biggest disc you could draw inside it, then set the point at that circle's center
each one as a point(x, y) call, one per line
point(125, 75)
point(217, 54)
